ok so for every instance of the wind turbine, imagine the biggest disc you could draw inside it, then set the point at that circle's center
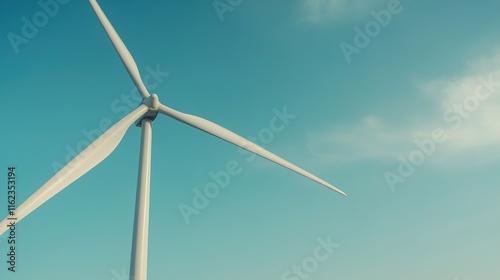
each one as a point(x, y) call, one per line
point(102, 147)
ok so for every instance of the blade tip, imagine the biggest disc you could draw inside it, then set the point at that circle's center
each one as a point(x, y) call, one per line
point(341, 192)
point(336, 189)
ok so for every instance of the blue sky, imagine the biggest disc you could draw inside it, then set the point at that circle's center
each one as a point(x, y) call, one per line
point(428, 76)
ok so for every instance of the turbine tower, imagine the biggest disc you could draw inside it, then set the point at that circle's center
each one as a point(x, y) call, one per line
point(101, 148)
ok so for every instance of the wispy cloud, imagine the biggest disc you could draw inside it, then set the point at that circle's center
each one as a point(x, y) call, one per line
point(320, 11)
point(470, 108)
point(372, 137)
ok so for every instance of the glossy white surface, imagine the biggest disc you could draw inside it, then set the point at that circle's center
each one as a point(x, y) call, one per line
point(122, 50)
point(77, 167)
point(237, 140)
point(139, 260)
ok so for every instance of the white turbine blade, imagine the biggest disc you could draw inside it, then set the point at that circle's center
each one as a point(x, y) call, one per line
point(122, 50)
point(81, 164)
point(237, 140)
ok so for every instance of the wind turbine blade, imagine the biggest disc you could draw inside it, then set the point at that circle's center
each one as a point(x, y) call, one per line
point(81, 164)
point(237, 140)
point(122, 50)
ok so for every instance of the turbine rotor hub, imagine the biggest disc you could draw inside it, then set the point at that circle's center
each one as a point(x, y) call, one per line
point(153, 103)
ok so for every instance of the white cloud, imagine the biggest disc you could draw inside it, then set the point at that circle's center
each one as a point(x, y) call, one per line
point(318, 11)
point(371, 138)
point(475, 133)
